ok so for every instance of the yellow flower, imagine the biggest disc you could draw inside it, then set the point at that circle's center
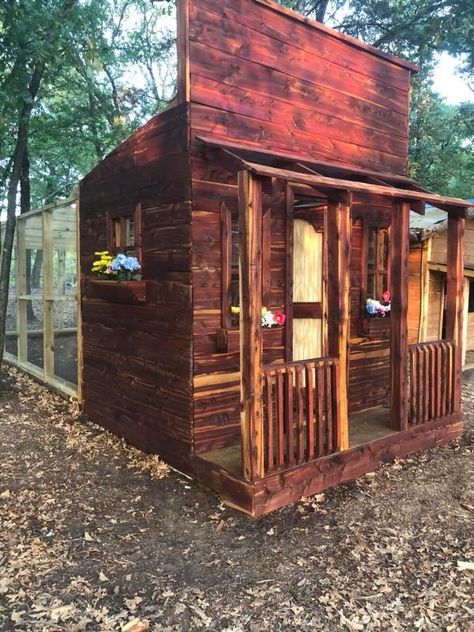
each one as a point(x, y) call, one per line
point(101, 253)
point(234, 309)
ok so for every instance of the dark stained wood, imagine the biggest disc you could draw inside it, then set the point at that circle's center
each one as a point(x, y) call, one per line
point(339, 36)
point(280, 489)
point(307, 310)
point(250, 221)
point(324, 182)
point(117, 291)
point(338, 249)
point(268, 423)
point(226, 264)
point(300, 447)
point(280, 423)
point(430, 381)
point(137, 357)
point(171, 374)
point(309, 390)
point(399, 316)
point(301, 400)
point(289, 272)
point(310, 163)
point(289, 413)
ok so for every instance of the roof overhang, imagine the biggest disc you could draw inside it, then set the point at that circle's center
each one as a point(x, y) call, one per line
point(329, 178)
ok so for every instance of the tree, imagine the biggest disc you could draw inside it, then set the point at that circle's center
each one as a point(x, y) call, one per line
point(66, 96)
point(30, 60)
point(442, 144)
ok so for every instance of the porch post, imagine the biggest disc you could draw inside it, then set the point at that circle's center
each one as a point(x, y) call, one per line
point(338, 251)
point(399, 236)
point(251, 408)
point(454, 298)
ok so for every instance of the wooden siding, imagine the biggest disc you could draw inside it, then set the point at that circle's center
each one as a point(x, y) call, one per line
point(439, 245)
point(415, 273)
point(137, 358)
point(258, 76)
point(436, 293)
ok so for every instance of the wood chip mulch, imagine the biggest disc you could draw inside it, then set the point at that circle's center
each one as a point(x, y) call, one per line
point(96, 536)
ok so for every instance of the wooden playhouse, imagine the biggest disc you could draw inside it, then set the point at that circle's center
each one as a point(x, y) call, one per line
point(276, 180)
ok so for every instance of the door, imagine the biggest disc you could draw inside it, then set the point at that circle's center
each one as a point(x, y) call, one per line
point(308, 290)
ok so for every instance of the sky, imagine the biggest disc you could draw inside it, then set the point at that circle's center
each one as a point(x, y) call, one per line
point(451, 86)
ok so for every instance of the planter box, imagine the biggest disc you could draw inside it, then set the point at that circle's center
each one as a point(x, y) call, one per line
point(131, 292)
point(376, 328)
point(228, 340)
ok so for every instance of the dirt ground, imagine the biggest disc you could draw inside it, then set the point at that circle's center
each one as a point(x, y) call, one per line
point(95, 535)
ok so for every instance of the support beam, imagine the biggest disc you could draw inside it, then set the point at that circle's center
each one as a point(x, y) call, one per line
point(250, 235)
point(288, 202)
point(21, 304)
point(399, 239)
point(338, 253)
point(48, 302)
point(454, 299)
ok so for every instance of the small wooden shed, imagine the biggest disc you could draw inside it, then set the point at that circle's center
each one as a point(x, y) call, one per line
point(277, 180)
point(427, 268)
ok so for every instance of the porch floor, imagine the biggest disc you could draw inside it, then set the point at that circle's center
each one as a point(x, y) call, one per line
point(364, 427)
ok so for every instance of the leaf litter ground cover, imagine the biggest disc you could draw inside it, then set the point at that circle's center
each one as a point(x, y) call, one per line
point(97, 536)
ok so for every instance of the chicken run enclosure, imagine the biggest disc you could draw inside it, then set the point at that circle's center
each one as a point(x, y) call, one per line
point(41, 324)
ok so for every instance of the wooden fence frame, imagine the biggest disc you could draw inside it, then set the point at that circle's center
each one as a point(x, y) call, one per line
point(45, 374)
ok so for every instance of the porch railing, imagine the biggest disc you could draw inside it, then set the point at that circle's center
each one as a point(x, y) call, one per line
point(430, 384)
point(299, 412)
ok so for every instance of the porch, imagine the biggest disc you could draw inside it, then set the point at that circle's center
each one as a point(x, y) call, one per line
point(297, 434)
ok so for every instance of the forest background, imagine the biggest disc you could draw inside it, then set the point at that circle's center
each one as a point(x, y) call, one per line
point(78, 76)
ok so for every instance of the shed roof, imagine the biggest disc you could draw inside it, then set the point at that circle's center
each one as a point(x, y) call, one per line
point(326, 176)
point(434, 221)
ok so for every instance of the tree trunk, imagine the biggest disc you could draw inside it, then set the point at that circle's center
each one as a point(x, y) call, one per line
point(321, 10)
point(18, 155)
point(19, 152)
point(25, 207)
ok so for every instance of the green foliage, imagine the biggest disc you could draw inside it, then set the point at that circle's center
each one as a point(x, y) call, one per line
point(442, 144)
point(112, 67)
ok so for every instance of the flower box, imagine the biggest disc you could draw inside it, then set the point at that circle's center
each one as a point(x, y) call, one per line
point(228, 340)
point(377, 328)
point(132, 292)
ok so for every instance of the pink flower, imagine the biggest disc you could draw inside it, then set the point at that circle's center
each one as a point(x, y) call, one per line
point(386, 296)
point(279, 318)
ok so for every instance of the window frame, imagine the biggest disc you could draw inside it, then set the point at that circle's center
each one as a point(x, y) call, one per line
point(381, 273)
point(120, 217)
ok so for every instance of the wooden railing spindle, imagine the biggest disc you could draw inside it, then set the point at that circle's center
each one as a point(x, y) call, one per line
point(309, 411)
point(431, 366)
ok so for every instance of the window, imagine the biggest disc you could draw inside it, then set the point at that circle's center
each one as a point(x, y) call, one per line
point(230, 264)
point(377, 273)
point(470, 306)
point(230, 273)
point(124, 231)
